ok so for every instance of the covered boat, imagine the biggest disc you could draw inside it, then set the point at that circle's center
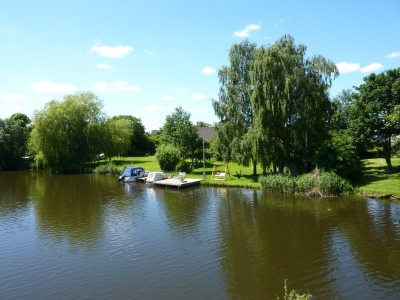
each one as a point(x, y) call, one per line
point(155, 176)
point(131, 174)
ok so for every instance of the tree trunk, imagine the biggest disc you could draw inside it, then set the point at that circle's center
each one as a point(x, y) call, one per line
point(387, 150)
point(254, 168)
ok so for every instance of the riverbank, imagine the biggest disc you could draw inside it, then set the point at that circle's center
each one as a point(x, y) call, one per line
point(375, 181)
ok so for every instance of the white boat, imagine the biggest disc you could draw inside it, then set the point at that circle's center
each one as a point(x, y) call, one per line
point(155, 176)
point(131, 174)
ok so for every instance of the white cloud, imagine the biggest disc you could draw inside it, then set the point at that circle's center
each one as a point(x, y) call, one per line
point(104, 66)
point(208, 70)
point(370, 68)
point(245, 32)
point(199, 96)
point(14, 97)
point(48, 87)
point(115, 87)
point(179, 89)
point(101, 86)
point(345, 67)
point(393, 55)
point(169, 98)
point(153, 108)
point(192, 109)
point(114, 52)
point(149, 52)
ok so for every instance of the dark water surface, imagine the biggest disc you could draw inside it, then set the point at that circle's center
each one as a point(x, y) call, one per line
point(90, 237)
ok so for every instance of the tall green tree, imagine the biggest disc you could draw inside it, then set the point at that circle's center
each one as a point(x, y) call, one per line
point(140, 142)
point(376, 100)
point(180, 132)
point(341, 105)
point(68, 133)
point(117, 136)
point(233, 107)
point(290, 103)
point(14, 136)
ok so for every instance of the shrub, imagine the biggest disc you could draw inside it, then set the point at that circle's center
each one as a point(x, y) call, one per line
point(317, 183)
point(110, 169)
point(330, 183)
point(339, 155)
point(183, 166)
point(167, 157)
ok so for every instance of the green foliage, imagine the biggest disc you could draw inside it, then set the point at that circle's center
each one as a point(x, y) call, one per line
point(109, 169)
point(318, 183)
point(373, 118)
point(13, 141)
point(167, 157)
point(68, 133)
point(278, 182)
point(293, 295)
point(140, 141)
point(273, 104)
point(183, 166)
point(181, 133)
point(339, 155)
point(393, 119)
point(290, 103)
point(234, 108)
point(341, 106)
point(117, 133)
point(21, 118)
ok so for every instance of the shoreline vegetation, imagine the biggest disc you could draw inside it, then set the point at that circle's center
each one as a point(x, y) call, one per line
point(375, 181)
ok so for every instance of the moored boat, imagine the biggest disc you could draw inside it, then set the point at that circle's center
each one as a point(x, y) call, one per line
point(155, 176)
point(131, 174)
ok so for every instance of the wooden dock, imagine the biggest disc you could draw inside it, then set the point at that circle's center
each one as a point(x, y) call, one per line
point(187, 182)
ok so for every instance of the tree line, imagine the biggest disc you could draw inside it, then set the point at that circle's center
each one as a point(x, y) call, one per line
point(273, 109)
point(67, 134)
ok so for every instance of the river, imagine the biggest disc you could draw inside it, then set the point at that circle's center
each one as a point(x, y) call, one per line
point(90, 237)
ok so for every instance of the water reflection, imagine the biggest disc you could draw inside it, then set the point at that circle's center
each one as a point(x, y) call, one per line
point(262, 244)
point(153, 242)
point(14, 200)
point(184, 209)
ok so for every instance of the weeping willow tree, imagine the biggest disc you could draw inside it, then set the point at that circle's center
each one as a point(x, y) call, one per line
point(273, 104)
point(234, 108)
point(68, 133)
point(290, 102)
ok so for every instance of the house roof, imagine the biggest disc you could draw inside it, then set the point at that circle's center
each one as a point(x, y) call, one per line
point(208, 132)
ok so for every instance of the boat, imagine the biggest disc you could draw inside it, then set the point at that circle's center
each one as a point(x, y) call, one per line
point(155, 176)
point(131, 174)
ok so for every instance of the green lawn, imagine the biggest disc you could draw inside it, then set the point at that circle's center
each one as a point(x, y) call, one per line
point(377, 181)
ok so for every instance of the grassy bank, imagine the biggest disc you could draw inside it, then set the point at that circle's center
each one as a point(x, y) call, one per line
point(376, 181)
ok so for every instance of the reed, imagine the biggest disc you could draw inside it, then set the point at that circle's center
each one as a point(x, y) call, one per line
point(109, 169)
point(317, 183)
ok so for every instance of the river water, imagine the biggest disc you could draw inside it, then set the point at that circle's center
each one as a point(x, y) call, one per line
point(90, 237)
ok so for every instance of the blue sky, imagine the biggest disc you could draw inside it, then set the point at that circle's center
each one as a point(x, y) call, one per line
point(144, 58)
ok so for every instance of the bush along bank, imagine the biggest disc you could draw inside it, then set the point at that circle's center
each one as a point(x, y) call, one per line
point(108, 169)
point(316, 183)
